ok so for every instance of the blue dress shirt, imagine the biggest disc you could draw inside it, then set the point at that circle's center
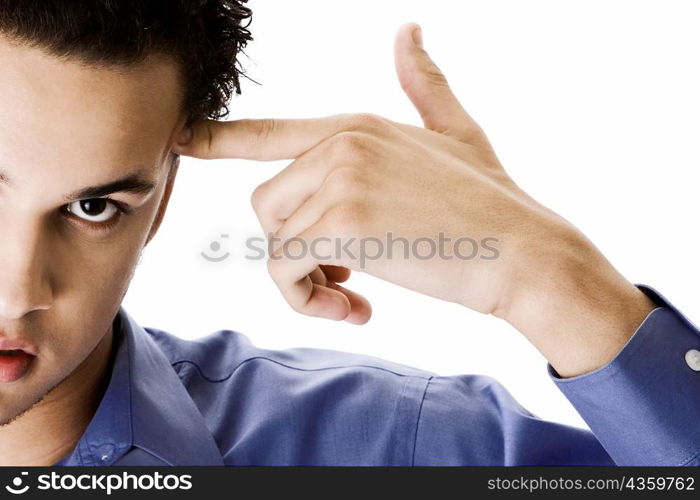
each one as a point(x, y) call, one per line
point(220, 400)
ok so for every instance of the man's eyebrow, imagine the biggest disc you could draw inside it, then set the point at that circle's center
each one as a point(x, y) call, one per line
point(133, 183)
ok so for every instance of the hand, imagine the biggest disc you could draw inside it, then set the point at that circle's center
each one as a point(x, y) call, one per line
point(474, 237)
point(363, 176)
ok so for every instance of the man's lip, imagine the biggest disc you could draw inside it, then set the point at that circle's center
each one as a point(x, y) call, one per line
point(7, 344)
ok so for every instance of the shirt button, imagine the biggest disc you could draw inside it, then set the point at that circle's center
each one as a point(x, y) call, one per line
point(106, 451)
point(692, 358)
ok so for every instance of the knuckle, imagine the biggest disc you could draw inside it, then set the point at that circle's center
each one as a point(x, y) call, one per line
point(434, 75)
point(344, 181)
point(258, 196)
point(263, 128)
point(368, 121)
point(298, 304)
point(348, 142)
point(274, 268)
point(347, 218)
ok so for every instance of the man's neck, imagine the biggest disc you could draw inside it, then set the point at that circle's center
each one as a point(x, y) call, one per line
point(51, 428)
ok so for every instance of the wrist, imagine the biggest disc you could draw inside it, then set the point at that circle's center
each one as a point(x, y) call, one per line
point(571, 303)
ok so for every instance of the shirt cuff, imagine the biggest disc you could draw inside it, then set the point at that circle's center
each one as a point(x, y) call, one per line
point(644, 405)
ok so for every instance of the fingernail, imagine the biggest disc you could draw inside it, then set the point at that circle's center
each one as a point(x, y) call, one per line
point(185, 136)
point(418, 36)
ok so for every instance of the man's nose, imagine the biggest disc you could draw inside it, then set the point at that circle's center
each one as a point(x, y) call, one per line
point(24, 284)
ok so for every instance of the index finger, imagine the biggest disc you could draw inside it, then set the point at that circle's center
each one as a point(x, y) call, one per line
point(258, 139)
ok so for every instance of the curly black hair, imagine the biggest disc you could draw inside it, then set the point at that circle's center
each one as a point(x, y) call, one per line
point(205, 36)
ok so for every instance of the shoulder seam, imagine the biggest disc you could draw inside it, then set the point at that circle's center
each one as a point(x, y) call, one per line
point(199, 369)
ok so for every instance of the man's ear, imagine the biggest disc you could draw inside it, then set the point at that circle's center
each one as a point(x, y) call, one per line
point(170, 181)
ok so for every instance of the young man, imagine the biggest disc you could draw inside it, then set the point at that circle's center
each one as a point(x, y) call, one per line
point(98, 99)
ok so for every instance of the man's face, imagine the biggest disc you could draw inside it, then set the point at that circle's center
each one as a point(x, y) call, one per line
point(66, 253)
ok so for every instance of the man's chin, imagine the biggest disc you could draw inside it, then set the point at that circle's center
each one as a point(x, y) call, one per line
point(13, 406)
point(11, 414)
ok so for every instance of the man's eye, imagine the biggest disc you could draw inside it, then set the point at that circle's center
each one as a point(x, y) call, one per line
point(94, 209)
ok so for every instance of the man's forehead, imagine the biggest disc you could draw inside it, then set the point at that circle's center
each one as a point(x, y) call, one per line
point(30, 75)
point(63, 112)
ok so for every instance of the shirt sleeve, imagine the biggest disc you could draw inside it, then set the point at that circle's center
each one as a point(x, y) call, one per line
point(474, 420)
point(643, 406)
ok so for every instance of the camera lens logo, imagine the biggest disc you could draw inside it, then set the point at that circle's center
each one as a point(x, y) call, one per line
point(16, 487)
point(215, 246)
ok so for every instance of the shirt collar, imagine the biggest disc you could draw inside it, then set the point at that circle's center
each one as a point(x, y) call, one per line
point(145, 406)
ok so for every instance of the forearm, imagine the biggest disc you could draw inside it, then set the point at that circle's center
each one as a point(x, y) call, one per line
point(571, 303)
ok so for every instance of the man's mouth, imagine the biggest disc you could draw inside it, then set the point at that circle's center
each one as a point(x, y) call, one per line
point(14, 364)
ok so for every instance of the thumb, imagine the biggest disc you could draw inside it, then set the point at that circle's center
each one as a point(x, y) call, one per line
point(427, 88)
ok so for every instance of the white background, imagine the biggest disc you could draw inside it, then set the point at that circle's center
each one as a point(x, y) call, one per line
point(591, 106)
